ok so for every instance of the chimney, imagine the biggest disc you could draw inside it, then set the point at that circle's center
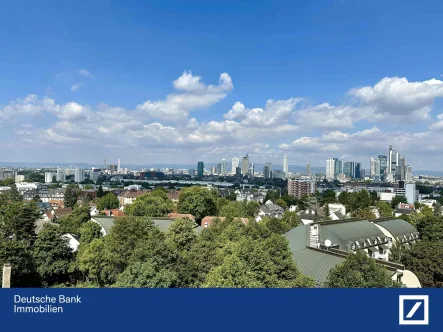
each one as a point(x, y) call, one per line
point(6, 281)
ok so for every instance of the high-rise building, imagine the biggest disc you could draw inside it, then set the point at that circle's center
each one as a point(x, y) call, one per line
point(383, 166)
point(392, 162)
point(308, 169)
point(267, 171)
point(94, 176)
point(49, 176)
point(214, 170)
point(338, 167)
point(245, 165)
point(234, 166)
point(304, 185)
point(61, 175)
point(330, 169)
point(401, 169)
point(238, 171)
point(200, 169)
point(357, 170)
point(218, 170)
point(118, 165)
point(251, 170)
point(408, 178)
point(285, 165)
point(79, 175)
point(374, 171)
point(347, 165)
point(191, 172)
point(4, 174)
point(223, 167)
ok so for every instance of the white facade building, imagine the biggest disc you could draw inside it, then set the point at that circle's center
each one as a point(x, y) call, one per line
point(235, 162)
point(61, 175)
point(330, 169)
point(79, 175)
point(285, 165)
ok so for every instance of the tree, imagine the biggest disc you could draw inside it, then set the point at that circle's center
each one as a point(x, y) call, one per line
point(52, 255)
point(14, 195)
point(281, 203)
point(146, 275)
point(107, 202)
point(239, 209)
point(291, 220)
point(328, 196)
point(181, 234)
point(17, 221)
point(397, 251)
point(272, 195)
point(89, 231)
point(73, 222)
point(363, 214)
point(100, 192)
point(70, 196)
point(148, 205)
point(384, 209)
point(359, 271)
point(197, 201)
point(424, 260)
point(398, 199)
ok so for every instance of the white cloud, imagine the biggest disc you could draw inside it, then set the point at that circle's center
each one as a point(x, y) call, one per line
point(85, 73)
point(76, 86)
point(30, 105)
point(196, 96)
point(398, 97)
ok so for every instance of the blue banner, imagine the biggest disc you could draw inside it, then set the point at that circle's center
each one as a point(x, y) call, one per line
point(207, 310)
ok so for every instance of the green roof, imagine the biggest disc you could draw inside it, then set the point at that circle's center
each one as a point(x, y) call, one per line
point(397, 227)
point(311, 262)
point(106, 222)
point(344, 233)
point(315, 263)
point(162, 223)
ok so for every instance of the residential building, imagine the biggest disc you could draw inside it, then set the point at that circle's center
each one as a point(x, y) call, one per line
point(49, 176)
point(128, 197)
point(245, 165)
point(19, 178)
point(79, 175)
point(4, 175)
point(285, 165)
point(320, 246)
point(61, 175)
point(200, 169)
point(94, 176)
point(235, 163)
point(269, 209)
point(300, 186)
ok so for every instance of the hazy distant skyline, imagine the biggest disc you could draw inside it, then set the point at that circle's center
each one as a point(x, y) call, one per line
point(172, 83)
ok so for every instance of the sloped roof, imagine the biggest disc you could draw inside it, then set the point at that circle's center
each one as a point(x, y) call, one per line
point(345, 232)
point(397, 227)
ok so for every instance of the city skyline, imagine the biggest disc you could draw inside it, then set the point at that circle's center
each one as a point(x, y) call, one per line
point(295, 88)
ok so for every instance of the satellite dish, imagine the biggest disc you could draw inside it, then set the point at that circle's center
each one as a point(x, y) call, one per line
point(328, 243)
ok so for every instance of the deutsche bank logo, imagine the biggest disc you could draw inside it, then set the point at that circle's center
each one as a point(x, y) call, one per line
point(414, 310)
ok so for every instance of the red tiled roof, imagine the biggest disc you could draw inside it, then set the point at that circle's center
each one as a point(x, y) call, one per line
point(173, 195)
point(131, 194)
point(209, 220)
point(62, 212)
point(114, 213)
point(181, 215)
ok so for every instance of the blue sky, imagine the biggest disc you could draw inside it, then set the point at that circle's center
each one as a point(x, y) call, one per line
point(81, 81)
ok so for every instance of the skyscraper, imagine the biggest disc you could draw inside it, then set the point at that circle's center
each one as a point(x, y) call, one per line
point(383, 166)
point(285, 165)
point(267, 171)
point(218, 169)
point(330, 169)
point(392, 161)
point(245, 165)
point(338, 167)
point(118, 165)
point(408, 178)
point(308, 169)
point(61, 175)
point(251, 170)
point(200, 169)
point(235, 162)
point(223, 167)
point(374, 170)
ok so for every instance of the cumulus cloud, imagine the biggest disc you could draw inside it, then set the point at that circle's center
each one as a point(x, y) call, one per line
point(30, 105)
point(399, 97)
point(76, 86)
point(195, 96)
